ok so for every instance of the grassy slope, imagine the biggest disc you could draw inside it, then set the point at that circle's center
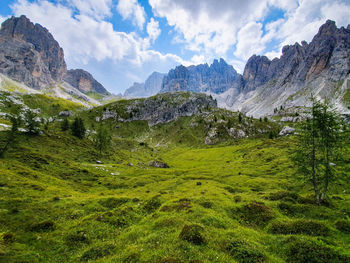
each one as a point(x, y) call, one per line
point(58, 205)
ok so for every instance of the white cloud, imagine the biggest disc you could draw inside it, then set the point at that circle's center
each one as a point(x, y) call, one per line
point(303, 22)
point(98, 9)
point(132, 10)
point(153, 29)
point(86, 40)
point(2, 19)
point(249, 41)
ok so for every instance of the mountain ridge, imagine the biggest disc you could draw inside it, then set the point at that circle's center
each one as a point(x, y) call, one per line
point(29, 54)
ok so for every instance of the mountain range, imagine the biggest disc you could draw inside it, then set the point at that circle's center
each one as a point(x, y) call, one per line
point(30, 55)
point(320, 67)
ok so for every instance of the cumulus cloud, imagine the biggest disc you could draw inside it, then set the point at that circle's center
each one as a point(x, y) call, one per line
point(98, 9)
point(303, 22)
point(249, 40)
point(153, 29)
point(86, 39)
point(132, 10)
point(2, 19)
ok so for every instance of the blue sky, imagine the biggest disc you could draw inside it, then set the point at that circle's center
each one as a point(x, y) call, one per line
point(124, 41)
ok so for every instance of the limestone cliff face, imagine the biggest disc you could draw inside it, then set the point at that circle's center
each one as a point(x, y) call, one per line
point(30, 54)
point(84, 81)
point(216, 78)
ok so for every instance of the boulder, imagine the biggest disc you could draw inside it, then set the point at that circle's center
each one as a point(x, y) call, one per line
point(158, 164)
point(286, 131)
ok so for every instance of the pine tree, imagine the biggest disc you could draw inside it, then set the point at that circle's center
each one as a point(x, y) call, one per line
point(15, 121)
point(65, 124)
point(78, 128)
point(32, 122)
point(102, 138)
point(318, 148)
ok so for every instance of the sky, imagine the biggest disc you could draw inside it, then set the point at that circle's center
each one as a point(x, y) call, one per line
point(123, 41)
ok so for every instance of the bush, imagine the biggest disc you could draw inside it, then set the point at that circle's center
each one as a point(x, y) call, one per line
point(192, 234)
point(284, 195)
point(306, 227)
point(255, 213)
point(77, 238)
point(78, 128)
point(113, 202)
point(152, 205)
point(97, 252)
point(287, 208)
point(45, 226)
point(301, 250)
point(207, 204)
point(343, 226)
point(245, 253)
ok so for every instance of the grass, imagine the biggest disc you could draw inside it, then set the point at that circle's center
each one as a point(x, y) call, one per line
point(235, 201)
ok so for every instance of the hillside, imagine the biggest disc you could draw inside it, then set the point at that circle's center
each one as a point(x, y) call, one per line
point(235, 198)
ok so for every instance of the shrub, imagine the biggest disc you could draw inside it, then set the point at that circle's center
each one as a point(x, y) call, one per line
point(245, 253)
point(152, 205)
point(255, 213)
point(284, 195)
point(207, 204)
point(78, 128)
point(237, 198)
point(7, 238)
point(76, 238)
point(301, 250)
point(45, 226)
point(287, 208)
point(192, 234)
point(97, 252)
point(343, 226)
point(113, 202)
point(306, 227)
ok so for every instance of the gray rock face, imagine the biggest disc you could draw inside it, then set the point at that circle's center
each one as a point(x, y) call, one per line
point(84, 81)
point(216, 78)
point(30, 54)
point(162, 108)
point(151, 87)
point(321, 68)
point(286, 131)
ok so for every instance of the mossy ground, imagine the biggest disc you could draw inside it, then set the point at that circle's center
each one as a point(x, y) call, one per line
point(237, 201)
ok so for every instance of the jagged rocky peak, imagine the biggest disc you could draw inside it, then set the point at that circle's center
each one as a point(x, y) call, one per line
point(216, 78)
point(151, 87)
point(21, 28)
point(328, 51)
point(84, 81)
point(29, 54)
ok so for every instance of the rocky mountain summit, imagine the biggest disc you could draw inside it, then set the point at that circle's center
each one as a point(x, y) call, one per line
point(320, 67)
point(216, 78)
point(162, 108)
point(84, 81)
point(151, 87)
point(29, 54)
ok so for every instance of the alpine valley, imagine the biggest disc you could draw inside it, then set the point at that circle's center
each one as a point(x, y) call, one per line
point(196, 165)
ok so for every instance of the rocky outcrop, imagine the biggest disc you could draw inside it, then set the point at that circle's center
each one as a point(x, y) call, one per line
point(216, 78)
point(30, 54)
point(321, 68)
point(162, 108)
point(151, 87)
point(84, 81)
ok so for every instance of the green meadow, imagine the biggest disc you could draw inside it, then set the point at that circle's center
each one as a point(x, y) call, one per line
point(239, 200)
